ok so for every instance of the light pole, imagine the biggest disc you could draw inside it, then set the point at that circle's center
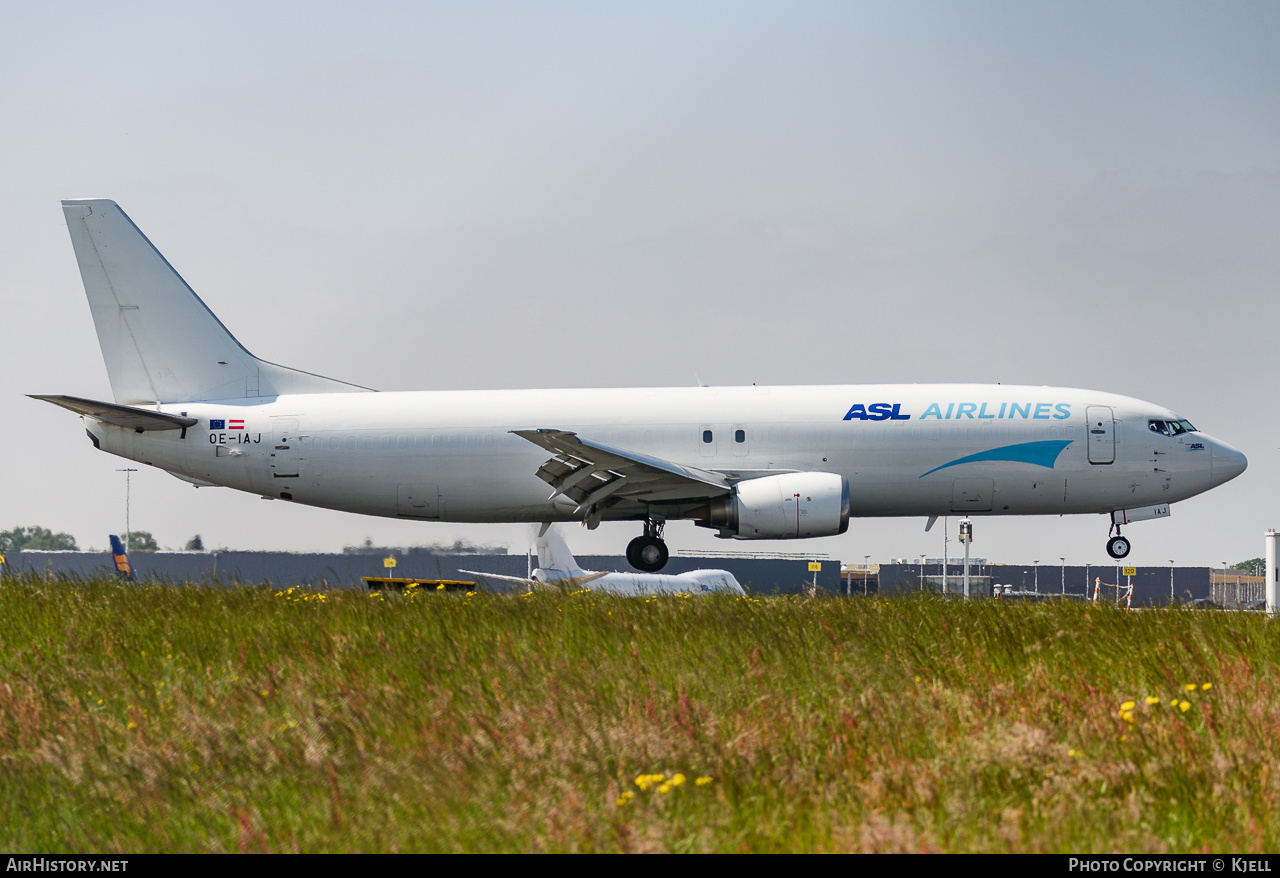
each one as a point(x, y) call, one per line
point(866, 568)
point(1035, 567)
point(128, 473)
point(1171, 581)
point(1064, 576)
point(1224, 583)
point(922, 585)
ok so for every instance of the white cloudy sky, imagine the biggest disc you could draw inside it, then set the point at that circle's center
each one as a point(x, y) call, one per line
point(547, 194)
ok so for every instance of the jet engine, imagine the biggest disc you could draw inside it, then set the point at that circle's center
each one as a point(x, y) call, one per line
point(782, 507)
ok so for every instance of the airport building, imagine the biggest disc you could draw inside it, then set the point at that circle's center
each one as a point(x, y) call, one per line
point(760, 573)
point(1111, 583)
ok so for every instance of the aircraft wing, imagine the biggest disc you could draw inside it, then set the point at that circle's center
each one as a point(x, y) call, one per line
point(120, 415)
point(592, 474)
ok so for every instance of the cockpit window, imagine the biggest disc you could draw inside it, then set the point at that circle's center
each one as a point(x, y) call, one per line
point(1170, 428)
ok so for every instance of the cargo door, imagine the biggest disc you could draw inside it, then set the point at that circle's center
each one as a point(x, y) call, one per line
point(1102, 434)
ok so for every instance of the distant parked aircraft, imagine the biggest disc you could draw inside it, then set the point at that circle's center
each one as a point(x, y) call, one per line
point(752, 463)
point(556, 566)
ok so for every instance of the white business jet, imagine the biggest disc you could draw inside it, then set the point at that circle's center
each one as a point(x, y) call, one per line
point(752, 463)
point(557, 566)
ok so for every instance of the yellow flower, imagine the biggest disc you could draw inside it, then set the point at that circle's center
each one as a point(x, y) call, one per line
point(665, 788)
point(644, 781)
point(625, 797)
point(1191, 687)
point(1128, 705)
point(1127, 716)
point(703, 781)
point(1184, 706)
point(675, 781)
point(1207, 686)
point(1151, 699)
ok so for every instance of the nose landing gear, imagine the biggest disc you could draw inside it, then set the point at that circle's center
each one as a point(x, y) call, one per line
point(648, 553)
point(1118, 546)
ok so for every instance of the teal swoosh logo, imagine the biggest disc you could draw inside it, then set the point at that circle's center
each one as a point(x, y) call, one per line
point(1043, 454)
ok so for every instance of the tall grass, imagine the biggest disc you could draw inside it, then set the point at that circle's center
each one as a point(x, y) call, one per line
point(255, 719)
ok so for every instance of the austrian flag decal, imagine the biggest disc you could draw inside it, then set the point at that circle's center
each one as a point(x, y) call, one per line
point(235, 425)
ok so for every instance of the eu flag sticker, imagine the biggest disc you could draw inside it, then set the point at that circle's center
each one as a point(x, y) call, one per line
point(217, 424)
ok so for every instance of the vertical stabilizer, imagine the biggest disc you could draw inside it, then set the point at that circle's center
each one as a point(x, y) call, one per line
point(554, 554)
point(161, 343)
point(121, 558)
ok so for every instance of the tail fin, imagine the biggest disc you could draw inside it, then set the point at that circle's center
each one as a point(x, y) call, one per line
point(554, 554)
point(161, 343)
point(121, 557)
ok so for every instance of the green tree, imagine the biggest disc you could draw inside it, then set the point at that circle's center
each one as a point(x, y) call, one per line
point(142, 541)
point(36, 539)
point(1251, 565)
point(195, 544)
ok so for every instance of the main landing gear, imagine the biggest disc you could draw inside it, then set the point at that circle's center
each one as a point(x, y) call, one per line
point(648, 553)
point(1118, 546)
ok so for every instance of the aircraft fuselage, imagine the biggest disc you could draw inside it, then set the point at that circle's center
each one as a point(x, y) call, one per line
point(904, 449)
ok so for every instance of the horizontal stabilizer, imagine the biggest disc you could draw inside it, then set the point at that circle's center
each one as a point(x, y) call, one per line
point(566, 582)
point(519, 580)
point(120, 415)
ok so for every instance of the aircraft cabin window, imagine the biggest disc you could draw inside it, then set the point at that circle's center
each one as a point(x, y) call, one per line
point(706, 436)
point(740, 436)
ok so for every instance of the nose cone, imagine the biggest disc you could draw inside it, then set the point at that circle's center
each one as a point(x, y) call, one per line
point(1227, 463)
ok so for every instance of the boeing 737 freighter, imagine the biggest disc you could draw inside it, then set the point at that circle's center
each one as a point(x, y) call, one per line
point(558, 567)
point(752, 463)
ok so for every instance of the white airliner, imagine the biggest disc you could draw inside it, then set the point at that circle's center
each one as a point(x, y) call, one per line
point(557, 566)
point(750, 462)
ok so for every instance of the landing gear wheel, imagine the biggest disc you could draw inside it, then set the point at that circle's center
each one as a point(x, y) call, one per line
point(647, 554)
point(1118, 547)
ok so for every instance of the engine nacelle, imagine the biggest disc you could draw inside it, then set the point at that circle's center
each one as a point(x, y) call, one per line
point(783, 507)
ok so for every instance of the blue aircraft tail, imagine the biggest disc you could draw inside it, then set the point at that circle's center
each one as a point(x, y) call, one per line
point(123, 568)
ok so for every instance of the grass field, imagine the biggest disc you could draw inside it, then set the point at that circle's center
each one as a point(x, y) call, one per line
point(250, 719)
